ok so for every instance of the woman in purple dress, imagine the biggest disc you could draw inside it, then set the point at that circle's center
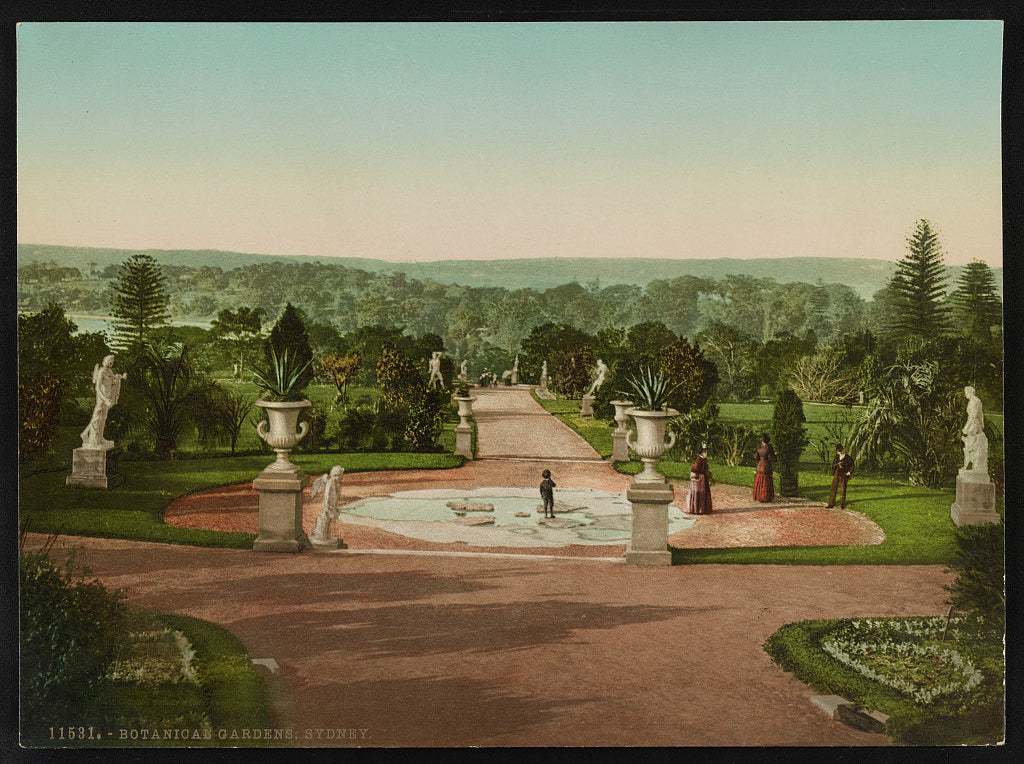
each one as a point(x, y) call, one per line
point(764, 489)
point(699, 500)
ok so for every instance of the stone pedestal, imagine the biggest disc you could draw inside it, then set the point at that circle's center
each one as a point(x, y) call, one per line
point(649, 542)
point(325, 546)
point(281, 511)
point(620, 451)
point(975, 499)
point(464, 440)
point(587, 406)
point(95, 468)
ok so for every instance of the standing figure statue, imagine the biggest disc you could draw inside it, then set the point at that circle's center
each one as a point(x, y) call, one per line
point(601, 371)
point(463, 374)
point(515, 371)
point(975, 440)
point(435, 370)
point(329, 486)
point(544, 376)
point(108, 389)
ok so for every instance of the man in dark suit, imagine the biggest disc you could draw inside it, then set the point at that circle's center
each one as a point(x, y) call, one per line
point(842, 468)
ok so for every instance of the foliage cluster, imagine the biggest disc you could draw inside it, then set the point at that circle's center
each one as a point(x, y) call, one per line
point(979, 563)
point(71, 629)
point(789, 437)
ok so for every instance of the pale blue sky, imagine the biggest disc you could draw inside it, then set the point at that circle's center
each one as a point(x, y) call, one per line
point(431, 141)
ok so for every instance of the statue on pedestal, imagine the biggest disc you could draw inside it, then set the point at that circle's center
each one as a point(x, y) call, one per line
point(544, 376)
point(435, 370)
point(463, 374)
point(108, 389)
point(329, 486)
point(975, 440)
point(601, 371)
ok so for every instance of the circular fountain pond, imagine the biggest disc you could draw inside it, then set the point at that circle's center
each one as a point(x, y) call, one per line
point(504, 516)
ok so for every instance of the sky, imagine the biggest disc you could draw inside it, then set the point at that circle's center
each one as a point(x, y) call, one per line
point(418, 142)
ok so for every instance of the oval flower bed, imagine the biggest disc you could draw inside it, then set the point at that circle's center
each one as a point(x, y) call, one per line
point(907, 655)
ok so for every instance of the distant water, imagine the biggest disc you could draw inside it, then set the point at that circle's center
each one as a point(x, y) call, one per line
point(103, 323)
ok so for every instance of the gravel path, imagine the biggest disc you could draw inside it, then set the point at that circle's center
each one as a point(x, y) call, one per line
point(443, 650)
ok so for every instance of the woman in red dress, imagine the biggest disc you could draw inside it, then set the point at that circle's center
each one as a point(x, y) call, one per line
point(698, 502)
point(764, 489)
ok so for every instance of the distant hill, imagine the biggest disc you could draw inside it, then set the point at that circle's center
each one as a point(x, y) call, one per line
point(866, 276)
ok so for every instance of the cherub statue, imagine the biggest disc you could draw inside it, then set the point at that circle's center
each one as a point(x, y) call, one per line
point(329, 486)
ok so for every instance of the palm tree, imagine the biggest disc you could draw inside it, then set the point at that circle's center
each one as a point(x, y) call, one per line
point(914, 419)
point(176, 393)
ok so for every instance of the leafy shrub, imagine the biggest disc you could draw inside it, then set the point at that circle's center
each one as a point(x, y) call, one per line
point(979, 566)
point(71, 629)
point(40, 402)
point(316, 416)
point(693, 430)
point(572, 368)
point(426, 420)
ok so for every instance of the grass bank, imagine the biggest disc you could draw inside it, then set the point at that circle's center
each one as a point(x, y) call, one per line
point(923, 661)
point(200, 690)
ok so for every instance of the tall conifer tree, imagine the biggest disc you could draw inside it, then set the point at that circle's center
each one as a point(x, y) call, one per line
point(289, 333)
point(978, 307)
point(140, 301)
point(919, 286)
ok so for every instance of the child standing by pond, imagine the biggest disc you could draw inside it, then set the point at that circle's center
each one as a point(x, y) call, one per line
point(547, 492)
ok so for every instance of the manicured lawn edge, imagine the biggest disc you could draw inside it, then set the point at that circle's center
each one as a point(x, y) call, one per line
point(236, 696)
point(135, 510)
point(796, 647)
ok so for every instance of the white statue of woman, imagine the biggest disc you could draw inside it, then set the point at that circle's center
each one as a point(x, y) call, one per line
point(463, 374)
point(975, 440)
point(544, 376)
point(329, 485)
point(435, 370)
point(515, 371)
point(602, 369)
point(108, 389)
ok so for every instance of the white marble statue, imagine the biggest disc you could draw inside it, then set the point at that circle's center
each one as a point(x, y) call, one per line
point(435, 369)
point(601, 371)
point(108, 389)
point(463, 374)
point(515, 371)
point(975, 441)
point(544, 376)
point(329, 486)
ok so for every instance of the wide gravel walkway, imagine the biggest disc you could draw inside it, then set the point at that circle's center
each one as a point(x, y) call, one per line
point(443, 650)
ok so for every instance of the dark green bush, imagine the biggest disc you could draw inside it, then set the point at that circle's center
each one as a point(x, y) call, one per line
point(316, 416)
point(426, 420)
point(70, 632)
point(979, 566)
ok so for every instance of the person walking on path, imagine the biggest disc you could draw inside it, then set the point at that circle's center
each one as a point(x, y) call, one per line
point(547, 492)
point(842, 469)
point(698, 502)
point(764, 487)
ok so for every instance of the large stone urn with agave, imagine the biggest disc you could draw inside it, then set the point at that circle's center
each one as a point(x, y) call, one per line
point(281, 483)
point(649, 494)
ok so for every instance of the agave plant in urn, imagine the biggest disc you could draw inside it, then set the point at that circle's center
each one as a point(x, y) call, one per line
point(651, 415)
point(282, 398)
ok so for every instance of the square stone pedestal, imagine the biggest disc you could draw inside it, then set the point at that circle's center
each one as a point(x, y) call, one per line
point(587, 406)
point(975, 499)
point(620, 451)
point(649, 542)
point(95, 468)
point(464, 440)
point(281, 511)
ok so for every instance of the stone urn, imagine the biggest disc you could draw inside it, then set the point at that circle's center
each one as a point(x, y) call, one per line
point(282, 434)
point(650, 441)
point(465, 409)
point(621, 417)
